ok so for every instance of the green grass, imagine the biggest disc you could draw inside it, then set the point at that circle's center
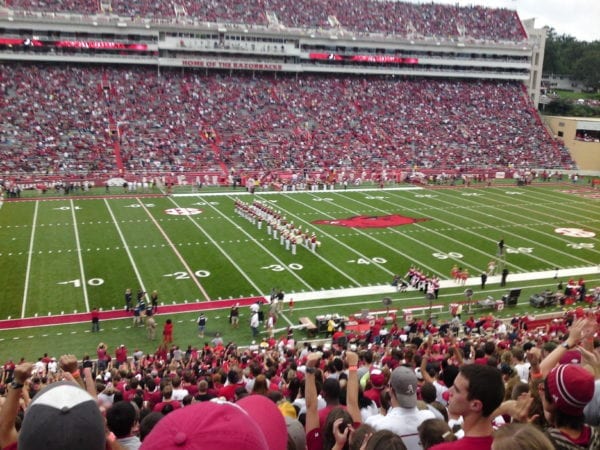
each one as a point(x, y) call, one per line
point(577, 95)
point(86, 252)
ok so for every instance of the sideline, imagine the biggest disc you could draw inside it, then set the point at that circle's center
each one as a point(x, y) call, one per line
point(62, 319)
point(472, 281)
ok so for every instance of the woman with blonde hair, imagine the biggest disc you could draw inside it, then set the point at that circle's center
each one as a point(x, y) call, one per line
point(520, 436)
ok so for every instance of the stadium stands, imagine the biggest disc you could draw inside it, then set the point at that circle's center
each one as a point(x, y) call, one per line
point(59, 117)
point(387, 17)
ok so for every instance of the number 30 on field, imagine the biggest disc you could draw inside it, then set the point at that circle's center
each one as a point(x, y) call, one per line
point(90, 282)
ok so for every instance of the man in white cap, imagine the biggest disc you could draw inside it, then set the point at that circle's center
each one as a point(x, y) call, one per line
point(403, 418)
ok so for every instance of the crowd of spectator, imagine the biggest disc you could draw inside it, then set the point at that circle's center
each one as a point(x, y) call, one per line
point(390, 17)
point(403, 382)
point(68, 118)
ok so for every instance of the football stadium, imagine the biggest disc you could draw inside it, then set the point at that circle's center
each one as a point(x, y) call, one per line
point(351, 172)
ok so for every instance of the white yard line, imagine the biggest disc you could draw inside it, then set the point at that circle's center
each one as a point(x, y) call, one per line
point(189, 270)
point(29, 257)
point(566, 219)
point(504, 231)
point(466, 230)
point(333, 238)
point(80, 258)
point(326, 261)
point(263, 248)
point(430, 230)
point(125, 246)
point(242, 191)
point(576, 207)
point(223, 252)
point(172, 245)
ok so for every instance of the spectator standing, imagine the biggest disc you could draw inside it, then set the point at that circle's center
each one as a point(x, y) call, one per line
point(121, 354)
point(154, 301)
point(102, 356)
point(168, 332)
point(128, 299)
point(234, 315)
point(95, 320)
point(150, 326)
point(254, 323)
point(62, 416)
point(477, 391)
point(179, 391)
point(504, 275)
point(404, 417)
point(567, 389)
point(201, 325)
point(167, 400)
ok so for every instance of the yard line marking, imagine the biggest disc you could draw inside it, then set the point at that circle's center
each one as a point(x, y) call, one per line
point(172, 245)
point(265, 249)
point(572, 199)
point(512, 205)
point(326, 261)
point(540, 244)
point(80, 258)
point(29, 257)
point(420, 242)
point(125, 246)
point(343, 244)
point(445, 236)
point(452, 226)
point(288, 193)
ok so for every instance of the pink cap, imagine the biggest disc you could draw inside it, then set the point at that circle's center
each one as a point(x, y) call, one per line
point(254, 423)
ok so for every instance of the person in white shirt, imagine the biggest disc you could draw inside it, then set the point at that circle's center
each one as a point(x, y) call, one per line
point(52, 366)
point(178, 392)
point(403, 418)
point(521, 366)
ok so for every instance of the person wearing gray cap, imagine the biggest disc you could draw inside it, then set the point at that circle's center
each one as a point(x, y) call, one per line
point(403, 418)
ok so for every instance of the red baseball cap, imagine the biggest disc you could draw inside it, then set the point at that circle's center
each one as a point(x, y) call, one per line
point(571, 388)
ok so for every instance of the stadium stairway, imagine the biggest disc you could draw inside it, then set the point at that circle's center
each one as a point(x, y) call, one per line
point(113, 127)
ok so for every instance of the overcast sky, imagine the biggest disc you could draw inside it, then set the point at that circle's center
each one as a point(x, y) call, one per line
point(577, 18)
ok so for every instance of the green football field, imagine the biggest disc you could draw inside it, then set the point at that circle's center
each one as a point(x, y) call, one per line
point(72, 254)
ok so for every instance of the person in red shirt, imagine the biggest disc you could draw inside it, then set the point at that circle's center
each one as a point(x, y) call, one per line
point(167, 400)
point(8, 370)
point(168, 332)
point(477, 391)
point(121, 354)
point(377, 380)
point(95, 320)
point(233, 382)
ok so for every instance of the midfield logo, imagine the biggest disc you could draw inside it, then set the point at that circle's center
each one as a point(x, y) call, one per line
point(392, 220)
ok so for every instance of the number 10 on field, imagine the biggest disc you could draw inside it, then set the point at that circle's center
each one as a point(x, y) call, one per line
point(77, 283)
